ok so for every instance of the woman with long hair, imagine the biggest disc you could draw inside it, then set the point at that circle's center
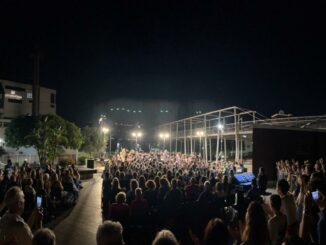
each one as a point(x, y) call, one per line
point(256, 230)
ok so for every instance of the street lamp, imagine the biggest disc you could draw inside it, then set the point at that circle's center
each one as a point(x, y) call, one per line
point(136, 135)
point(105, 131)
point(164, 136)
point(220, 128)
point(200, 134)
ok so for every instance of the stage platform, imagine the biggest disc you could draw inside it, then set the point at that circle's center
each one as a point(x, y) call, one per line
point(86, 173)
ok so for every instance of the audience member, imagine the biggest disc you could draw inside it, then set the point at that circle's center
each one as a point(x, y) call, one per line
point(288, 204)
point(109, 233)
point(262, 181)
point(256, 231)
point(44, 237)
point(277, 224)
point(216, 232)
point(165, 237)
point(12, 225)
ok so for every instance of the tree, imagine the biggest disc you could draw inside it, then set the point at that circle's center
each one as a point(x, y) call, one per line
point(18, 129)
point(94, 141)
point(74, 136)
point(49, 134)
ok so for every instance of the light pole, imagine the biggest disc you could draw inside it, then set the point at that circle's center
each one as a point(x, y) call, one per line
point(136, 135)
point(220, 128)
point(164, 136)
point(105, 131)
point(200, 134)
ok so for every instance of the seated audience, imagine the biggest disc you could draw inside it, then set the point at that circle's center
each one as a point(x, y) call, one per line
point(44, 237)
point(109, 233)
point(119, 211)
point(206, 197)
point(150, 193)
point(12, 225)
point(139, 206)
point(131, 193)
point(165, 237)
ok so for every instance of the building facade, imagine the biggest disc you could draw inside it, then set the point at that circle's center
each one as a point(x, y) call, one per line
point(16, 99)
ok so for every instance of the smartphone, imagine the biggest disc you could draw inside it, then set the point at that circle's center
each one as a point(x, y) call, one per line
point(39, 202)
point(315, 195)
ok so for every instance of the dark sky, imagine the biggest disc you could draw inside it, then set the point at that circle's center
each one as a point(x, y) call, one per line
point(263, 55)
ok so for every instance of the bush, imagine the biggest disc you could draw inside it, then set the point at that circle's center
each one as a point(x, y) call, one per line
point(63, 162)
point(82, 160)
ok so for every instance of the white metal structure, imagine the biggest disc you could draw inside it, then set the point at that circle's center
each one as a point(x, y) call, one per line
point(233, 125)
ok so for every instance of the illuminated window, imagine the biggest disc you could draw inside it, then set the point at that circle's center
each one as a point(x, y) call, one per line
point(29, 94)
point(12, 92)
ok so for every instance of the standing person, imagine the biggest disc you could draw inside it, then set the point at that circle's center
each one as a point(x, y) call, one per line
point(192, 190)
point(254, 193)
point(262, 181)
point(12, 226)
point(256, 231)
point(216, 232)
point(321, 225)
point(288, 205)
point(277, 223)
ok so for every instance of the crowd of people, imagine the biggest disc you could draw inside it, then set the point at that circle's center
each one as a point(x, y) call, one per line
point(148, 192)
point(49, 189)
point(162, 198)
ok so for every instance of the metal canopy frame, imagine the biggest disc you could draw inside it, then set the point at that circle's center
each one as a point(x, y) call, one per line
point(235, 124)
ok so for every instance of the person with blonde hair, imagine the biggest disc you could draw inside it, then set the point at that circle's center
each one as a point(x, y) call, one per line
point(119, 211)
point(165, 237)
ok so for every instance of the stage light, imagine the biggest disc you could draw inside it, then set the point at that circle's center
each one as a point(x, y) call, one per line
point(200, 133)
point(220, 126)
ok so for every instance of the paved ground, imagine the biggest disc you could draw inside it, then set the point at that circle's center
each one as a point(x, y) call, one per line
point(80, 226)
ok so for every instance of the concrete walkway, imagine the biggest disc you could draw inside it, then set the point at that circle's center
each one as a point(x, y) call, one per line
point(80, 226)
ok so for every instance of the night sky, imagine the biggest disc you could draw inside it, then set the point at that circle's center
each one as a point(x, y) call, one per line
point(262, 55)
